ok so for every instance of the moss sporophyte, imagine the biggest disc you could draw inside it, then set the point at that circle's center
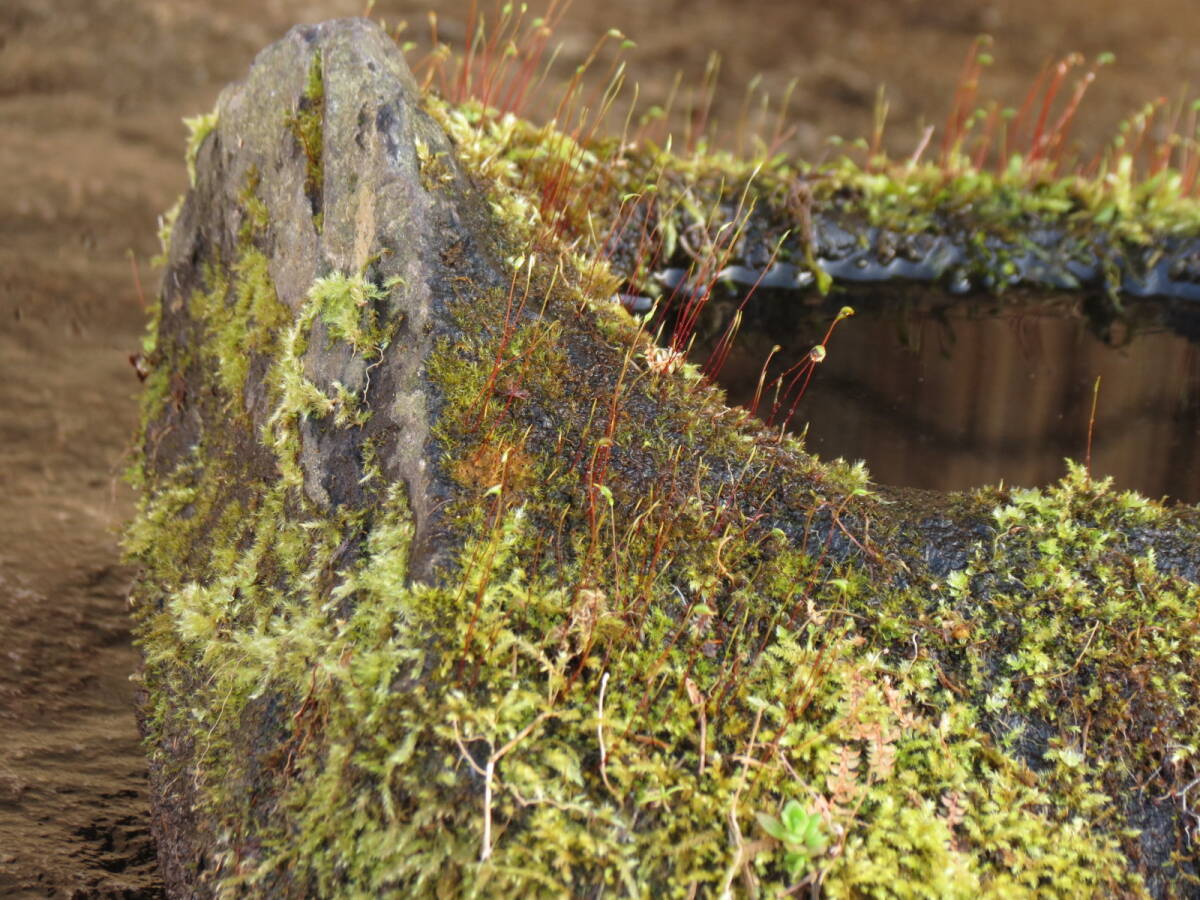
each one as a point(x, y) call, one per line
point(666, 651)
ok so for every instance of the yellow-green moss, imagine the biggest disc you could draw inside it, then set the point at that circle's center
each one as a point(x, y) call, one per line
point(255, 217)
point(645, 641)
point(347, 304)
point(507, 662)
point(199, 128)
point(307, 124)
point(242, 316)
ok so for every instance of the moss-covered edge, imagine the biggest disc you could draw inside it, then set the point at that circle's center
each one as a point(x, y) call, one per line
point(632, 202)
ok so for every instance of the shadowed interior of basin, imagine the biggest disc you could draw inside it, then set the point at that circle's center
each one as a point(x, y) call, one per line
point(949, 393)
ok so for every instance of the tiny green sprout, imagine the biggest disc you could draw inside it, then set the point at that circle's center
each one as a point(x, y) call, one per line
point(800, 833)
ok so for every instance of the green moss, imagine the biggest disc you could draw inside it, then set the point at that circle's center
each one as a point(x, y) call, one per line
point(651, 635)
point(199, 128)
point(242, 316)
point(507, 662)
point(307, 124)
point(1069, 623)
point(255, 216)
point(433, 167)
point(348, 305)
point(166, 222)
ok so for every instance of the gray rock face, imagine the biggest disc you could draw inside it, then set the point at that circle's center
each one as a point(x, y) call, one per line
point(314, 170)
point(369, 215)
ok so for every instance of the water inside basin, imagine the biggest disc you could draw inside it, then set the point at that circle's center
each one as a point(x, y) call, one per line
point(949, 393)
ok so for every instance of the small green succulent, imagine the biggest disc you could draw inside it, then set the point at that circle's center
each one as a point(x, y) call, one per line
point(800, 833)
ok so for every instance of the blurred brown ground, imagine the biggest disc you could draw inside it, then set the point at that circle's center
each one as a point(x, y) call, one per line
point(91, 96)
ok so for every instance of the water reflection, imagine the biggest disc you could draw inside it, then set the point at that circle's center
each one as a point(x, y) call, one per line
point(950, 393)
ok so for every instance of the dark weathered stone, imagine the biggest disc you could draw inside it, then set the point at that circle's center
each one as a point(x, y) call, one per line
point(371, 214)
point(378, 219)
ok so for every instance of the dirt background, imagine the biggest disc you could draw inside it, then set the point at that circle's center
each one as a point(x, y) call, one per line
point(91, 95)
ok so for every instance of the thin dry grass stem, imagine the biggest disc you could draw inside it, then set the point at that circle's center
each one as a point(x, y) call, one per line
point(1087, 458)
point(762, 377)
point(743, 119)
point(987, 140)
point(512, 314)
point(1041, 138)
point(698, 119)
point(626, 144)
point(741, 857)
point(716, 360)
point(922, 145)
point(879, 122)
point(782, 132)
point(964, 100)
point(1012, 136)
point(137, 280)
point(600, 735)
point(489, 771)
point(699, 701)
